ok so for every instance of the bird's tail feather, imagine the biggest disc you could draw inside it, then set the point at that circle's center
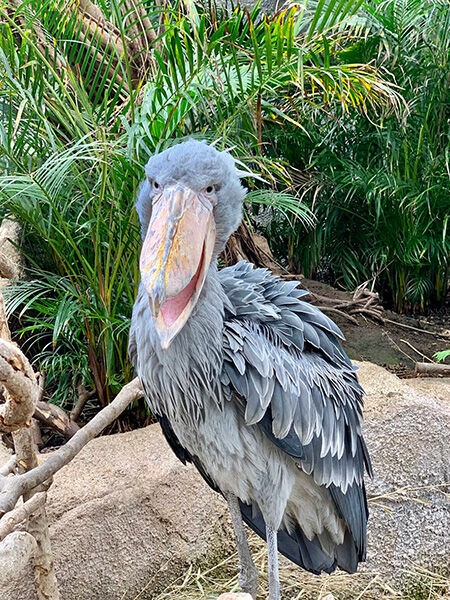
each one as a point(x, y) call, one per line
point(306, 553)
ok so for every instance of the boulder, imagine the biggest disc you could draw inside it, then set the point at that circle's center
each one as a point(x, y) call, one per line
point(437, 387)
point(17, 551)
point(408, 435)
point(127, 517)
point(234, 596)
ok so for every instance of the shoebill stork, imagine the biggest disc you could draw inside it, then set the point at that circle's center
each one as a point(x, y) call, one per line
point(248, 381)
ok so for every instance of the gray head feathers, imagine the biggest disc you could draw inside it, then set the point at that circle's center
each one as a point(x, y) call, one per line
point(197, 166)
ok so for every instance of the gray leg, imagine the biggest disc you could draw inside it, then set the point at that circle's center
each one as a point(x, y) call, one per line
point(272, 564)
point(248, 573)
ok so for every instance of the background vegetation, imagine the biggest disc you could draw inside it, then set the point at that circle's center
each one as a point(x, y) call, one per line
point(379, 187)
point(341, 107)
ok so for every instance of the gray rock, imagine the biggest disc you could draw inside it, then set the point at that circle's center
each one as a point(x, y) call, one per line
point(437, 387)
point(408, 434)
point(16, 573)
point(126, 515)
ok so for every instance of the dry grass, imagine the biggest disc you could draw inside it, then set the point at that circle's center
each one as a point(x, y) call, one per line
point(207, 584)
point(418, 583)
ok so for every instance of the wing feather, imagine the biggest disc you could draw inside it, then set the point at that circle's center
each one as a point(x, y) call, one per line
point(284, 362)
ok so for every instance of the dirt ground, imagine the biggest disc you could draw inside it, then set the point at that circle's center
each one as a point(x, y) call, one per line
point(397, 343)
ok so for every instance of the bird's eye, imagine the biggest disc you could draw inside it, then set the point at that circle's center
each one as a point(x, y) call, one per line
point(155, 185)
point(209, 189)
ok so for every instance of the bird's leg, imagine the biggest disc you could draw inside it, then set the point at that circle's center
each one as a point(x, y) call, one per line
point(272, 564)
point(248, 573)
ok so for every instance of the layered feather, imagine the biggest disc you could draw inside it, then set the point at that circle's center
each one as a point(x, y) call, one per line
point(256, 356)
point(283, 361)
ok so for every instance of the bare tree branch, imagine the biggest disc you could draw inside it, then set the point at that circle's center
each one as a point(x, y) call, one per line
point(10, 259)
point(8, 268)
point(434, 369)
point(367, 312)
point(44, 44)
point(44, 571)
point(5, 334)
point(12, 487)
point(25, 448)
point(83, 397)
point(15, 517)
point(51, 416)
point(99, 26)
point(141, 34)
point(55, 417)
point(9, 466)
point(18, 387)
point(21, 392)
point(244, 244)
point(442, 334)
point(338, 312)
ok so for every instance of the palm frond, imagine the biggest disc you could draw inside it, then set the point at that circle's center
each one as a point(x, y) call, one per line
point(89, 90)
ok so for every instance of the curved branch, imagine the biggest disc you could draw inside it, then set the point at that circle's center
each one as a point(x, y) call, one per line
point(12, 487)
point(55, 417)
point(5, 333)
point(10, 521)
point(18, 387)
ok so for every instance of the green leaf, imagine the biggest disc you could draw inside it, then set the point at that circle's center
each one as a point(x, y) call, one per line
point(442, 355)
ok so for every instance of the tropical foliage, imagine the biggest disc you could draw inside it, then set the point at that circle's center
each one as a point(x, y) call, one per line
point(380, 189)
point(88, 91)
point(442, 355)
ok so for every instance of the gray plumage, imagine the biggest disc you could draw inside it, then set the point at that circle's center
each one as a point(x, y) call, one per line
point(256, 390)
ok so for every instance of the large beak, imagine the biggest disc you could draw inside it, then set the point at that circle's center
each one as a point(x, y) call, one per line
point(175, 257)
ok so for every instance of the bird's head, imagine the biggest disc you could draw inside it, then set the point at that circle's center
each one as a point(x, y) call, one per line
point(189, 205)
